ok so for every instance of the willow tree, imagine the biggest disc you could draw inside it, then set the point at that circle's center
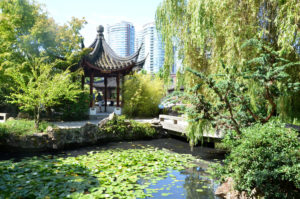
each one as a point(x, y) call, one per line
point(209, 31)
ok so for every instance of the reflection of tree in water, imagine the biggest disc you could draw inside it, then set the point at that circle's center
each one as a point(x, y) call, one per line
point(195, 179)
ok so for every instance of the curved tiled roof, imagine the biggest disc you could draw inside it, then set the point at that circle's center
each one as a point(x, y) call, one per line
point(104, 59)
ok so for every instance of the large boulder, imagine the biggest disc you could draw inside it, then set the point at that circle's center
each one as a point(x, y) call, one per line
point(37, 141)
point(22, 115)
point(61, 138)
point(227, 191)
point(102, 123)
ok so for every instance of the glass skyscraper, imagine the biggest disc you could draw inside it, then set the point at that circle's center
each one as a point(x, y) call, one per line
point(153, 47)
point(121, 38)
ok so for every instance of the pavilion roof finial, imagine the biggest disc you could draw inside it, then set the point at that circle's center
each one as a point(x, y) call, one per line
point(100, 30)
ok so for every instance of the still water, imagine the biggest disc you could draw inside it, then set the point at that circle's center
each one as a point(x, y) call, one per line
point(192, 183)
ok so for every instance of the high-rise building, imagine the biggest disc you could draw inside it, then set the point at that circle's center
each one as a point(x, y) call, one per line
point(152, 46)
point(121, 38)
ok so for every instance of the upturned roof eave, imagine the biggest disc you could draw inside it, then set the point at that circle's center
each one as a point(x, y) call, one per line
point(100, 44)
point(106, 71)
point(103, 59)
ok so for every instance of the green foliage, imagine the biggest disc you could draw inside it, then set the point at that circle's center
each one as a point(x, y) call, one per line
point(74, 110)
point(129, 129)
point(21, 127)
point(207, 31)
point(106, 174)
point(142, 95)
point(27, 33)
point(229, 104)
point(40, 86)
point(266, 158)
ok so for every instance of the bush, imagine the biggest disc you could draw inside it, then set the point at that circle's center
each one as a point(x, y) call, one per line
point(72, 111)
point(266, 158)
point(128, 129)
point(21, 127)
point(142, 95)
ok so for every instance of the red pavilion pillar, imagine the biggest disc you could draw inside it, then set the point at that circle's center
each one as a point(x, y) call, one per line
point(91, 89)
point(122, 89)
point(105, 93)
point(118, 90)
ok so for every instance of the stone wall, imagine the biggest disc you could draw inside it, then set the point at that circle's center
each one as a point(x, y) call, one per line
point(57, 139)
point(54, 138)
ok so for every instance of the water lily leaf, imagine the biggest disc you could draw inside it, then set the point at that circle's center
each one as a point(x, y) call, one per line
point(166, 194)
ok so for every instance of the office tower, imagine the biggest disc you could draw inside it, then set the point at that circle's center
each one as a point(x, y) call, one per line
point(152, 46)
point(121, 38)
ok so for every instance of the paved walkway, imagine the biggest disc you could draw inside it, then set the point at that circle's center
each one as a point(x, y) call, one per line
point(78, 124)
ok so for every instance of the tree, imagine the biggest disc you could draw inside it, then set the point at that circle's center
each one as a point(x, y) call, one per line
point(231, 108)
point(209, 31)
point(142, 95)
point(26, 33)
point(40, 86)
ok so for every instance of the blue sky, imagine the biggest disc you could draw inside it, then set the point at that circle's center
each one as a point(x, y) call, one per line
point(101, 12)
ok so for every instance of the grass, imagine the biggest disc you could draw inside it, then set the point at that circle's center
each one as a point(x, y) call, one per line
point(22, 127)
point(106, 174)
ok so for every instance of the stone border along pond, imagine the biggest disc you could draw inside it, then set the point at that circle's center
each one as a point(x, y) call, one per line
point(89, 134)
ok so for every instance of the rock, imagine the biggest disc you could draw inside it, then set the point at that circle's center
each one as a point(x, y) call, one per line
point(112, 116)
point(10, 119)
point(37, 141)
point(227, 191)
point(22, 115)
point(90, 133)
point(49, 129)
point(102, 123)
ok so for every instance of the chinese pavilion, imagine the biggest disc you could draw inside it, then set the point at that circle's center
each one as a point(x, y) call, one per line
point(102, 61)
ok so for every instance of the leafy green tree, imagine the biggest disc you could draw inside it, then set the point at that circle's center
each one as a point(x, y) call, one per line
point(207, 31)
point(40, 86)
point(142, 95)
point(232, 107)
point(26, 32)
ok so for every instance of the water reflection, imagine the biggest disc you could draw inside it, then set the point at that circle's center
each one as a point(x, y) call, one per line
point(192, 183)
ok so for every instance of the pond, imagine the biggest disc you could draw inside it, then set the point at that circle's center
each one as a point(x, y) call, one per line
point(138, 169)
point(190, 183)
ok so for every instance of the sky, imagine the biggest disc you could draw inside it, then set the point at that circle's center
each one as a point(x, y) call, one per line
point(101, 12)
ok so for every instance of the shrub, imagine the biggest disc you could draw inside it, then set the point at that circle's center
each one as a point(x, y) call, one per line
point(75, 110)
point(21, 127)
point(128, 129)
point(142, 95)
point(266, 158)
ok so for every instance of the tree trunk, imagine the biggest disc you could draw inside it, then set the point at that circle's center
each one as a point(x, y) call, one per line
point(37, 118)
